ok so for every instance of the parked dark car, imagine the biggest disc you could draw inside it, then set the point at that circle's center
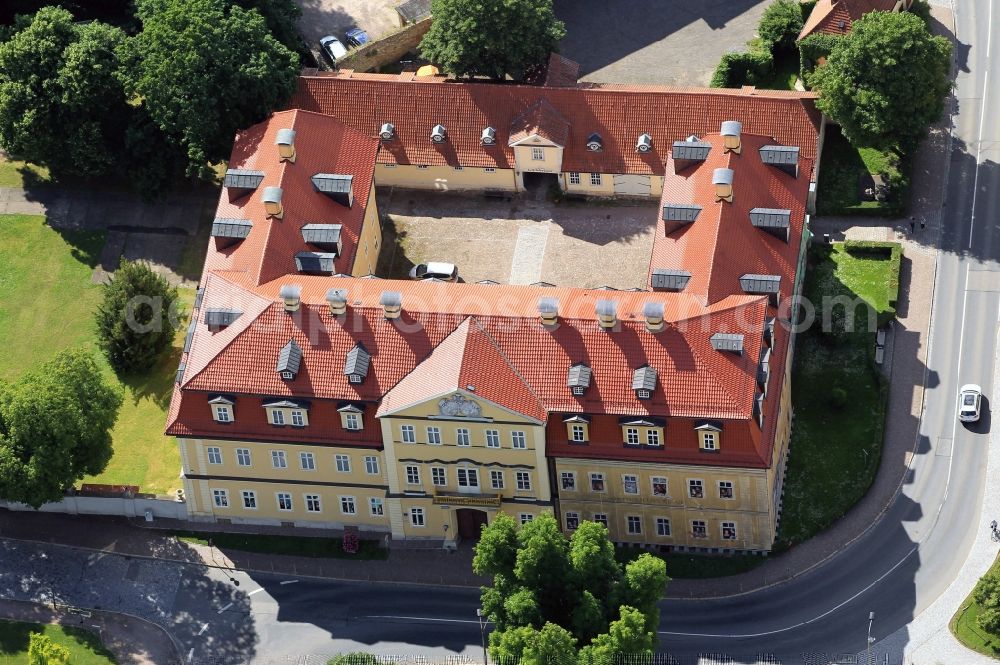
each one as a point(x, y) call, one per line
point(356, 37)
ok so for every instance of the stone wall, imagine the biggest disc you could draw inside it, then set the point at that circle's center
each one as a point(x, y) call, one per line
point(123, 507)
point(387, 50)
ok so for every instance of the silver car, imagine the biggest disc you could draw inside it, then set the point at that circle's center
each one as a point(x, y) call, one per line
point(333, 48)
point(970, 399)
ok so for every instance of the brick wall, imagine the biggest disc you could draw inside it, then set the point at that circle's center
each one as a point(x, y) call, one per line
point(387, 50)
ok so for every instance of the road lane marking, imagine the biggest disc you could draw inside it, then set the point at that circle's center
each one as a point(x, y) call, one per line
point(255, 591)
point(989, 32)
point(191, 655)
point(204, 627)
point(979, 147)
point(283, 582)
point(225, 608)
point(391, 616)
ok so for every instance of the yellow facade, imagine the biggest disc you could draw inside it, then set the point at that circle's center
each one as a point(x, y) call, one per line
point(445, 178)
point(536, 155)
point(369, 241)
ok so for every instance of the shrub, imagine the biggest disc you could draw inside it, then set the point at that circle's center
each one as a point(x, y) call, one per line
point(356, 658)
point(739, 69)
point(812, 49)
point(43, 651)
point(780, 25)
point(838, 398)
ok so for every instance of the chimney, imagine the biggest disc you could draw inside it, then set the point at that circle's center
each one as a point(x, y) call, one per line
point(731, 135)
point(338, 301)
point(439, 134)
point(286, 145)
point(292, 295)
point(548, 311)
point(489, 136)
point(388, 131)
point(722, 179)
point(607, 314)
point(392, 304)
point(653, 311)
point(272, 202)
point(644, 143)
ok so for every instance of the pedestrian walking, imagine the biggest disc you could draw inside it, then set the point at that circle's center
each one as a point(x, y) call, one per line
point(913, 225)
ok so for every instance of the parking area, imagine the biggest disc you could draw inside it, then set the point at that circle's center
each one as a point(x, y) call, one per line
point(667, 42)
point(518, 241)
point(335, 17)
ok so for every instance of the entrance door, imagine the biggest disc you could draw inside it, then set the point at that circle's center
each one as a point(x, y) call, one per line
point(632, 185)
point(468, 480)
point(470, 523)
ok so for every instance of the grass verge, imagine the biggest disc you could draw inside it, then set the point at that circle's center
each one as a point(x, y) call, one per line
point(47, 304)
point(85, 648)
point(294, 545)
point(966, 629)
point(844, 169)
point(696, 566)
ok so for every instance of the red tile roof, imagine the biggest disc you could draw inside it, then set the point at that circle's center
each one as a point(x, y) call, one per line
point(620, 114)
point(835, 17)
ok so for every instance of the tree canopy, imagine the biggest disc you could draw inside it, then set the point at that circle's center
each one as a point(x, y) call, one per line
point(55, 428)
point(550, 593)
point(205, 69)
point(987, 594)
point(493, 38)
point(134, 320)
point(61, 103)
point(780, 24)
point(43, 651)
point(885, 81)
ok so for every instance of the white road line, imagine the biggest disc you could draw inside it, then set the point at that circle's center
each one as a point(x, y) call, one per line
point(989, 32)
point(289, 582)
point(390, 616)
point(191, 655)
point(225, 608)
point(204, 627)
point(979, 147)
point(255, 591)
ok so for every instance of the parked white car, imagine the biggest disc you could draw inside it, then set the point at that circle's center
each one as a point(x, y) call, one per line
point(446, 272)
point(970, 399)
point(333, 48)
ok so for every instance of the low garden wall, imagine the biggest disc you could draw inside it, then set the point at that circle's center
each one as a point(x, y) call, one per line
point(165, 507)
point(387, 50)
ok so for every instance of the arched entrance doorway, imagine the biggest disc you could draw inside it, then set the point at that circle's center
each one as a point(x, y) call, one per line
point(470, 523)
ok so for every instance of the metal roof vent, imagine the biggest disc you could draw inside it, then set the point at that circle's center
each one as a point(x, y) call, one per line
point(289, 360)
point(758, 409)
point(723, 181)
point(665, 279)
point(595, 143)
point(727, 342)
point(315, 262)
point(644, 144)
point(439, 134)
point(578, 378)
point(292, 295)
point(324, 236)
point(684, 213)
point(392, 304)
point(690, 152)
point(652, 311)
point(769, 331)
point(489, 136)
point(338, 301)
point(285, 141)
point(227, 231)
point(607, 314)
point(730, 131)
point(772, 220)
point(784, 157)
point(356, 364)
point(764, 369)
point(644, 382)
point(548, 311)
point(217, 318)
point(337, 186)
point(272, 202)
point(241, 182)
point(388, 131)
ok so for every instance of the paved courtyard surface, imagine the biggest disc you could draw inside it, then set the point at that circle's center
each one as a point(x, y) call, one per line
point(672, 42)
point(335, 17)
point(518, 241)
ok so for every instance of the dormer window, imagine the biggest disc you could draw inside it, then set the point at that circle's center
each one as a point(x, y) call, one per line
point(354, 378)
point(637, 432)
point(644, 381)
point(287, 376)
point(643, 393)
point(286, 412)
point(289, 360)
point(578, 390)
point(577, 428)
point(356, 364)
point(351, 417)
point(578, 379)
point(222, 408)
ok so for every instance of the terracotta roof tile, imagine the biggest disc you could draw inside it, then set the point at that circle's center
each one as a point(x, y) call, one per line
point(835, 17)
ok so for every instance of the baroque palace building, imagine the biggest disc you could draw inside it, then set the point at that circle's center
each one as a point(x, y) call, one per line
point(312, 393)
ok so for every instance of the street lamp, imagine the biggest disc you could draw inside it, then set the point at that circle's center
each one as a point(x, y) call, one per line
point(211, 551)
point(871, 640)
point(482, 632)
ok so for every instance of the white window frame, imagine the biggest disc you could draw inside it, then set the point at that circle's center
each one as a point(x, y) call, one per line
point(595, 179)
point(417, 518)
point(278, 459)
point(249, 496)
point(496, 480)
point(307, 461)
point(433, 436)
point(490, 169)
point(412, 474)
point(630, 479)
point(572, 521)
point(642, 393)
point(727, 485)
point(466, 475)
point(578, 433)
point(518, 440)
point(595, 475)
point(492, 438)
point(537, 154)
point(313, 502)
point(723, 526)
point(352, 421)
point(298, 418)
point(709, 441)
point(571, 476)
point(243, 457)
point(696, 483)
point(699, 524)
point(632, 436)
point(348, 505)
point(277, 417)
point(574, 178)
point(376, 508)
point(633, 524)
point(439, 476)
point(222, 413)
point(663, 525)
point(371, 465)
point(523, 481)
point(342, 462)
point(653, 482)
point(525, 518)
point(462, 437)
point(602, 519)
point(220, 498)
point(214, 454)
point(408, 434)
point(653, 437)
point(283, 499)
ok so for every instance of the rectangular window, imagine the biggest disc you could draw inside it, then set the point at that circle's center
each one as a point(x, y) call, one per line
point(214, 455)
point(222, 413)
point(434, 436)
point(708, 441)
point(462, 437)
point(602, 519)
point(595, 179)
point(438, 476)
point(343, 463)
point(662, 526)
point(375, 507)
point(352, 421)
point(725, 489)
point(243, 456)
point(313, 503)
point(278, 460)
point(496, 480)
point(298, 419)
point(458, 168)
point(284, 501)
point(642, 393)
point(490, 169)
point(518, 441)
point(221, 498)
point(468, 477)
point(572, 521)
point(597, 482)
point(422, 167)
point(568, 479)
point(631, 484)
point(696, 489)
point(371, 465)
point(574, 178)
point(408, 433)
point(659, 486)
point(277, 417)
point(698, 529)
point(389, 166)
point(526, 517)
point(537, 155)
point(492, 438)
point(412, 475)
point(347, 505)
point(250, 499)
point(417, 516)
point(578, 433)
point(634, 523)
point(307, 461)
point(523, 481)
point(729, 530)
point(632, 436)
point(652, 437)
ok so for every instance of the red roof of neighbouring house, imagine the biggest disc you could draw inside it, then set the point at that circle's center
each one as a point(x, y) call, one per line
point(835, 17)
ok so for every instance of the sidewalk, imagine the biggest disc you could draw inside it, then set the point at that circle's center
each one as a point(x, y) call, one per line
point(131, 640)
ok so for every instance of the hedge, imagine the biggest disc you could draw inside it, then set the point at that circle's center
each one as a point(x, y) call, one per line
point(892, 251)
point(739, 69)
point(811, 49)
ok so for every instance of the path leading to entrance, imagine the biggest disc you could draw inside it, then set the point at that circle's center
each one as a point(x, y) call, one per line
point(529, 251)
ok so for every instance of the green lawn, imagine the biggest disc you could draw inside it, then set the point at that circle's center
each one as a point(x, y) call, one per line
point(295, 545)
point(786, 72)
point(47, 302)
point(84, 647)
point(696, 566)
point(15, 173)
point(843, 166)
point(964, 627)
point(835, 451)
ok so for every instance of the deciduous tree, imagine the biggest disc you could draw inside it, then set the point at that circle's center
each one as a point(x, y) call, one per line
point(780, 24)
point(493, 38)
point(43, 651)
point(885, 81)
